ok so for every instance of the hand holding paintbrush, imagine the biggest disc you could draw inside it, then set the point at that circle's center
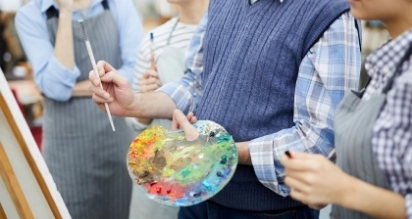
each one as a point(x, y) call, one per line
point(93, 61)
point(150, 80)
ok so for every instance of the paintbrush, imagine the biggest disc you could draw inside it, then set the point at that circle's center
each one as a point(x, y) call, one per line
point(93, 61)
point(152, 56)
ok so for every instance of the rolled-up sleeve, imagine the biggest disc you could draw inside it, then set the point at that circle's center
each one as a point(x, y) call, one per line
point(329, 70)
point(54, 80)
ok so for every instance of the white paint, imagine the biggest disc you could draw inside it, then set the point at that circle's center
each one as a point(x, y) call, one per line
point(33, 194)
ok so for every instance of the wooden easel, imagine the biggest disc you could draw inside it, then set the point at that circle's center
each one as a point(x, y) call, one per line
point(2, 213)
point(22, 169)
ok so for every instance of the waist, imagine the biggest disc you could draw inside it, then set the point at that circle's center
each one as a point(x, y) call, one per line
point(245, 192)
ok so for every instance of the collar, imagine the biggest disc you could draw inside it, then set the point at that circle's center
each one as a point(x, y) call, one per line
point(46, 4)
point(388, 55)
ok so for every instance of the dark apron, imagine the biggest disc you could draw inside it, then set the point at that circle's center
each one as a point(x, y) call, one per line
point(354, 121)
point(86, 158)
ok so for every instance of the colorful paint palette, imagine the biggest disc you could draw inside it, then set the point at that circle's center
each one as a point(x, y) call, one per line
point(173, 171)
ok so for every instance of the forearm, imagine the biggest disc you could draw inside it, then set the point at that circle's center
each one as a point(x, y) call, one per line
point(372, 200)
point(64, 51)
point(145, 121)
point(152, 105)
point(81, 89)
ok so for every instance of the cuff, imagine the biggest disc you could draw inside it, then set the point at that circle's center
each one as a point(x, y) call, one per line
point(60, 81)
point(180, 96)
point(264, 164)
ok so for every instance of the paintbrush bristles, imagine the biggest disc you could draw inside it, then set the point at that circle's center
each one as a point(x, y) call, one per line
point(81, 22)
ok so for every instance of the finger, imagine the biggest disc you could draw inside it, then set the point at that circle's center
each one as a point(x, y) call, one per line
point(175, 125)
point(316, 207)
point(99, 99)
point(191, 117)
point(93, 78)
point(298, 195)
point(307, 162)
point(153, 80)
point(150, 81)
point(99, 92)
point(180, 120)
point(103, 67)
point(151, 73)
point(295, 183)
point(115, 78)
point(305, 198)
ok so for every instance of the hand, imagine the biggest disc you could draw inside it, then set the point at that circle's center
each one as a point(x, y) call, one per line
point(116, 90)
point(314, 180)
point(150, 81)
point(65, 4)
point(185, 123)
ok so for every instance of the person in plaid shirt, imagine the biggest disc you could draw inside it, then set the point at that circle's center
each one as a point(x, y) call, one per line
point(373, 129)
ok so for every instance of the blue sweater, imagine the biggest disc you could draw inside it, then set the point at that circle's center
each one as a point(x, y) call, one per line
point(252, 55)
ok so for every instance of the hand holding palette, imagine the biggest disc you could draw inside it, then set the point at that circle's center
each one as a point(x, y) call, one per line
point(173, 171)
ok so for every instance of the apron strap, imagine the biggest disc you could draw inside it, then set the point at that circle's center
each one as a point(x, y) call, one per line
point(105, 5)
point(171, 32)
point(52, 12)
point(398, 70)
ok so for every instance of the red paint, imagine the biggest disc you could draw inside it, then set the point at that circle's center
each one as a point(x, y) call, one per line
point(159, 189)
point(172, 190)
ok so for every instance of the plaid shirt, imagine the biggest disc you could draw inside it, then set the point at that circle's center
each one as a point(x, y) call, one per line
point(329, 70)
point(392, 132)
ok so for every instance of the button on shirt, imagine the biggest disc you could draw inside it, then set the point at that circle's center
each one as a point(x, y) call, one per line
point(392, 132)
point(54, 79)
point(329, 70)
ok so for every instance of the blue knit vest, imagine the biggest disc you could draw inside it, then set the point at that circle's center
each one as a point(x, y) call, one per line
point(252, 55)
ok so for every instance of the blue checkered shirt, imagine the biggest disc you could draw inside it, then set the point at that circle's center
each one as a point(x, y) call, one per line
point(392, 131)
point(329, 70)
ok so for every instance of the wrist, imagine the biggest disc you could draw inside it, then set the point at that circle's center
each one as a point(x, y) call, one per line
point(145, 121)
point(348, 190)
point(133, 108)
point(65, 12)
point(243, 153)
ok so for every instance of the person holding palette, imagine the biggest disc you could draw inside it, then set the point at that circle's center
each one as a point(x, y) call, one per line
point(271, 72)
point(373, 175)
point(85, 157)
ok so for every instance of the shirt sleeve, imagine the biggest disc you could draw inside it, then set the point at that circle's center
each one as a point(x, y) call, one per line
point(329, 70)
point(187, 91)
point(54, 80)
point(130, 35)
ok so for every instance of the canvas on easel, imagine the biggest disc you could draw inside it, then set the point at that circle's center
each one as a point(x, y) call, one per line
point(27, 189)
